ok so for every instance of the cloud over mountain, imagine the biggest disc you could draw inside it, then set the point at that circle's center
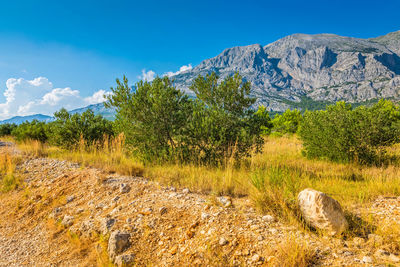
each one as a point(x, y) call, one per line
point(25, 97)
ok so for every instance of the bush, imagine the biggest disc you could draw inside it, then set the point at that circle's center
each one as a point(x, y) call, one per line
point(152, 117)
point(223, 124)
point(7, 128)
point(287, 123)
point(343, 134)
point(70, 130)
point(34, 130)
point(162, 124)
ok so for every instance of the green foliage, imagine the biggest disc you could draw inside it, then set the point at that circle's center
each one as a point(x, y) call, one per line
point(287, 123)
point(69, 130)
point(223, 124)
point(343, 134)
point(7, 128)
point(34, 130)
point(162, 124)
point(153, 117)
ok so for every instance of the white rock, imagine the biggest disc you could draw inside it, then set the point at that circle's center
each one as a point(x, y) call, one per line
point(268, 218)
point(321, 211)
point(367, 259)
point(222, 241)
point(185, 191)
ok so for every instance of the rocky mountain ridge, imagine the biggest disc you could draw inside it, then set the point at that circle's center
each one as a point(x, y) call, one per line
point(302, 70)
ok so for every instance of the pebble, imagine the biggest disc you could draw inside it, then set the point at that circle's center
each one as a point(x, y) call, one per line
point(223, 241)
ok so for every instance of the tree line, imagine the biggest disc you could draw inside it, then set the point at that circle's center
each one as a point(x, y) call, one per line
point(163, 124)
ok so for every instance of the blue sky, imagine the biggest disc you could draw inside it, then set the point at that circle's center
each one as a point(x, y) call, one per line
point(80, 47)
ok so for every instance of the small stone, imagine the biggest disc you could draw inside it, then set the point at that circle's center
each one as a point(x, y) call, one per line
point(124, 260)
point(223, 241)
point(225, 201)
point(70, 199)
point(205, 216)
point(163, 210)
point(79, 211)
point(185, 191)
point(367, 259)
point(268, 218)
point(381, 253)
point(67, 221)
point(115, 199)
point(124, 188)
point(394, 258)
point(255, 258)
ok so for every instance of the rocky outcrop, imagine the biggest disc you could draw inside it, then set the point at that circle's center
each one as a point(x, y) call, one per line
point(322, 212)
point(117, 243)
point(322, 67)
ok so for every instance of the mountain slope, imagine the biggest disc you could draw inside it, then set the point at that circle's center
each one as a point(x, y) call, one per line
point(311, 68)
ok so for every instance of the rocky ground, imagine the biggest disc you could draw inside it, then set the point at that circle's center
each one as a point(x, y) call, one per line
point(72, 216)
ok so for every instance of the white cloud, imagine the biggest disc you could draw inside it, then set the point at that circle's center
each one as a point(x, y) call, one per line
point(27, 97)
point(97, 97)
point(147, 75)
point(181, 70)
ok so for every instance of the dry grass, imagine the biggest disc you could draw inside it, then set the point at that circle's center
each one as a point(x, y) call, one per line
point(271, 179)
point(9, 180)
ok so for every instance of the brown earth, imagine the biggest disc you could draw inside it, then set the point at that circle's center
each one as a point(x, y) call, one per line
point(167, 226)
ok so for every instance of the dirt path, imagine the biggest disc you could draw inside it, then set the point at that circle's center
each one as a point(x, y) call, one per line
point(65, 215)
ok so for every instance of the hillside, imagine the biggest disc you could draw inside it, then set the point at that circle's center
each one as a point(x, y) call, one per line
point(302, 70)
point(66, 214)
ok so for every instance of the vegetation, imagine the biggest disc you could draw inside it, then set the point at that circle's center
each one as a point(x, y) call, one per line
point(7, 128)
point(69, 130)
point(287, 123)
point(343, 134)
point(162, 124)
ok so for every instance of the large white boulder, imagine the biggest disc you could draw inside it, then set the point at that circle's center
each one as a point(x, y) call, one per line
point(322, 212)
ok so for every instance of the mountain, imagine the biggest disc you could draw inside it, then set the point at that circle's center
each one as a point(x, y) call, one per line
point(307, 71)
point(98, 109)
point(21, 119)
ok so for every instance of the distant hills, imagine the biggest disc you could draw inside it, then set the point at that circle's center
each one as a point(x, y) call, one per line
point(98, 109)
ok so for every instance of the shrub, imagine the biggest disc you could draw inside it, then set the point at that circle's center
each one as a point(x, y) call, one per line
point(69, 130)
point(161, 123)
point(152, 116)
point(287, 123)
point(343, 134)
point(7, 128)
point(34, 130)
point(223, 124)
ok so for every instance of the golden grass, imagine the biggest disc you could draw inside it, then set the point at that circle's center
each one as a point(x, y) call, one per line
point(271, 179)
point(9, 180)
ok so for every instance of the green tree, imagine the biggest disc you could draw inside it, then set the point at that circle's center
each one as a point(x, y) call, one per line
point(7, 128)
point(343, 134)
point(153, 116)
point(34, 130)
point(287, 123)
point(223, 123)
point(68, 130)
